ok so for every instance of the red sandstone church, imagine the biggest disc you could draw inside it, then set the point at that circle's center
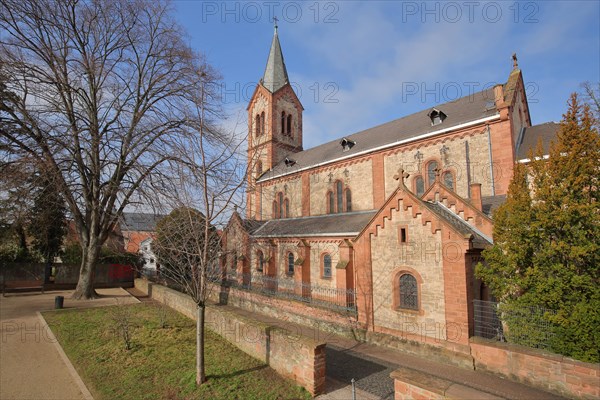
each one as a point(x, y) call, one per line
point(396, 215)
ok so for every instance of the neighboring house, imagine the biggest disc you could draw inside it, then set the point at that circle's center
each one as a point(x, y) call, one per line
point(147, 255)
point(399, 213)
point(137, 230)
point(137, 227)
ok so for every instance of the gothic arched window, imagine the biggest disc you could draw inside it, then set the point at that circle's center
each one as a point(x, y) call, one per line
point(286, 209)
point(448, 180)
point(348, 200)
point(431, 172)
point(419, 186)
point(330, 203)
point(289, 124)
point(409, 292)
point(260, 261)
point(290, 269)
point(257, 125)
point(283, 122)
point(275, 210)
point(326, 266)
point(339, 196)
point(262, 123)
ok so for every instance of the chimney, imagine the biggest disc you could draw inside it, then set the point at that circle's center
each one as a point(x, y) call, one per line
point(476, 196)
point(499, 95)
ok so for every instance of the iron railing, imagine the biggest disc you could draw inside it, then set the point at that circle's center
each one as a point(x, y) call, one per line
point(286, 287)
point(527, 326)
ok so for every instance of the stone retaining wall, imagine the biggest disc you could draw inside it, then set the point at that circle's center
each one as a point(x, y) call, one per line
point(541, 369)
point(411, 384)
point(321, 320)
point(294, 356)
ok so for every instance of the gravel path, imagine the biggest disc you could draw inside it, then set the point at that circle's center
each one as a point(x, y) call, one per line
point(371, 375)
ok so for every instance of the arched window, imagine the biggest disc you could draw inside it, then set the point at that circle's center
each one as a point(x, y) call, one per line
point(326, 266)
point(289, 124)
point(283, 122)
point(448, 180)
point(257, 125)
point(275, 210)
point(286, 208)
point(262, 123)
point(431, 172)
point(339, 196)
point(409, 292)
point(419, 186)
point(348, 200)
point(290, 269)
point(330, 203)
point(280, 204)
point(260, 261)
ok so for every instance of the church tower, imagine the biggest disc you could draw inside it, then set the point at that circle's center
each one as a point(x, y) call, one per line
point(274, 123)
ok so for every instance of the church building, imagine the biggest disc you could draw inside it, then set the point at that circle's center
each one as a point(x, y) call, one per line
point(396, 215)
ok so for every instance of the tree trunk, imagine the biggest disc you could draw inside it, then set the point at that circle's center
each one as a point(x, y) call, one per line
point(200, 374)
point(85, 285)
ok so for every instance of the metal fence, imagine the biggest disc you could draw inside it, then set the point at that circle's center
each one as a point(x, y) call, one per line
point(285, 287)
point(527, 326)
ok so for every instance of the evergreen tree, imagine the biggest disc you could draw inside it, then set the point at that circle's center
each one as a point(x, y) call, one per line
point(47, 220)
point(546, 249)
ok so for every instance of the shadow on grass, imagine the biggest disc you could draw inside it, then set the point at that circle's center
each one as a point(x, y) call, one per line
point(238, 373)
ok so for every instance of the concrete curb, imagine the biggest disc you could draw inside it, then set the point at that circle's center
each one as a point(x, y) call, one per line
point(50, 335)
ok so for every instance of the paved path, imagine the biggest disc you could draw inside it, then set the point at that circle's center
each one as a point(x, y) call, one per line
point(31, 366)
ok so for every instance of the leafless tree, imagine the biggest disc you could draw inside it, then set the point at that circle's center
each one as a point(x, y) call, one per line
point(591, 94)
point(208, 184)
point(105, 96)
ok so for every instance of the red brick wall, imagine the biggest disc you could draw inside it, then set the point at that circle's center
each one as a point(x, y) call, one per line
point(404, 391)
point(547, 371)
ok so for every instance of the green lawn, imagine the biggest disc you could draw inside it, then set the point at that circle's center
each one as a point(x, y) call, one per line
point(161, 362)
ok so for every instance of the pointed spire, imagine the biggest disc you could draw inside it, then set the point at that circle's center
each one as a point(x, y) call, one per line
point(275, 76)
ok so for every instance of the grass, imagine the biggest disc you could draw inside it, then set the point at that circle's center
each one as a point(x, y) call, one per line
point(161, 362)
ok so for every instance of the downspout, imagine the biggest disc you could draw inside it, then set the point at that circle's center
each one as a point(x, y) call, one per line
point(468, 158)
point(491, 159)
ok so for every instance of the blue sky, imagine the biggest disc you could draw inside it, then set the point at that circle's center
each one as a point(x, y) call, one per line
point(357, 64)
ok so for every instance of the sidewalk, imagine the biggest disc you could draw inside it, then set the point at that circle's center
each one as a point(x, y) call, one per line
point(371, 366)
point(30, 363)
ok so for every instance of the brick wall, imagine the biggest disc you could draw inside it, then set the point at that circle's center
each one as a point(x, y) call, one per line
point(292, 355)
point(547, 371)
point(319, 322)
point(417, 385)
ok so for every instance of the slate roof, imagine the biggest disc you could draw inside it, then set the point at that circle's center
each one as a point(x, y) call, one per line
point(140, 222)
point(275, 76)
point(343, 225)
point(545, 132)
point(489, 204)
point(251, 225)
point(479, 239)
point(460, 111)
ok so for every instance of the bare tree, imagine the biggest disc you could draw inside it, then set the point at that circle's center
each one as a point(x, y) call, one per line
point(104, 92)
point(188, 246)
point(188, 242)
point(591, 95)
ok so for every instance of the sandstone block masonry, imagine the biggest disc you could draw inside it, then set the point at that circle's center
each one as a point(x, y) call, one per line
point(294, 356)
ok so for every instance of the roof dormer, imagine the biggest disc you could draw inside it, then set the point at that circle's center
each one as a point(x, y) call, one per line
point(289, 162)
point(436, 116)
point(347, 144)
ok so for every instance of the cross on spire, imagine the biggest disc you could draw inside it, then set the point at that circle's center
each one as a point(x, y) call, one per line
point(515, 63)
point(275, 20)
point(401, 175)
point(437, 172)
